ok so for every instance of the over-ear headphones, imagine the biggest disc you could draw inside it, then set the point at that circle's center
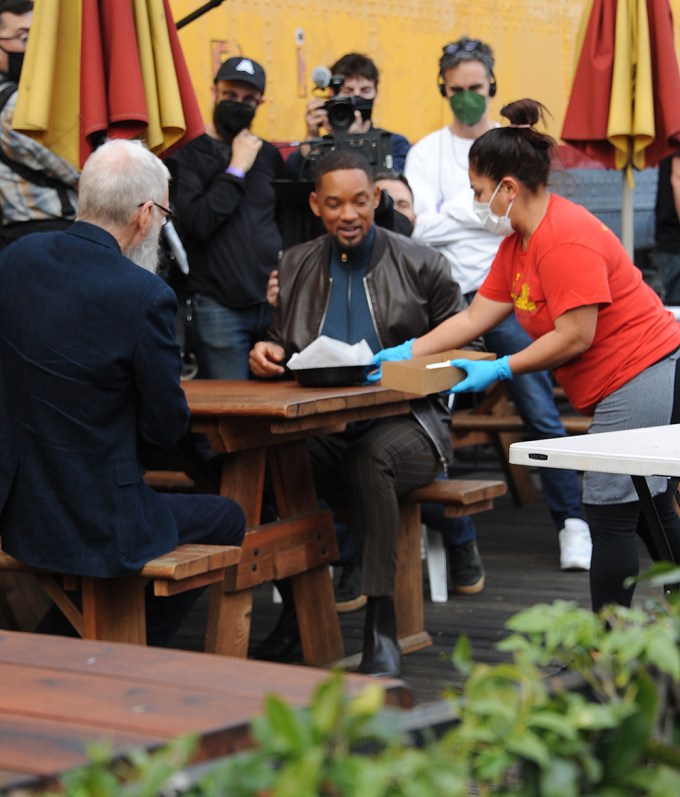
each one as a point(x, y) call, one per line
point(442, 86)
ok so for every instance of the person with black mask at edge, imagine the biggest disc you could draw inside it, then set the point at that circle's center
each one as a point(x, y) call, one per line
point(37, 187)
point(226, 210)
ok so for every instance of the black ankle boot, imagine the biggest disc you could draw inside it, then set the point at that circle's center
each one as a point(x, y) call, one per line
point(381, 655)
point(283, 643)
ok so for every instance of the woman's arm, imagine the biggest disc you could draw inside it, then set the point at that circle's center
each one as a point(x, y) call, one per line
point(573, 334)
point(458, 330)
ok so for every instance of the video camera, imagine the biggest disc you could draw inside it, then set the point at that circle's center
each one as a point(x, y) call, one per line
point(341, 110)
point(375, 146)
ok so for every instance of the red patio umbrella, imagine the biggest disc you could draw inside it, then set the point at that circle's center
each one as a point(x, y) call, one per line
point(624, 109)
point(131, 79)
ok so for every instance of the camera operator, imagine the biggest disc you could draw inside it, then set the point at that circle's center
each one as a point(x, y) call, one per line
point(354, 82)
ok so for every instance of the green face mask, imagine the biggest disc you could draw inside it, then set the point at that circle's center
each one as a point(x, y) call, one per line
point(468, 106)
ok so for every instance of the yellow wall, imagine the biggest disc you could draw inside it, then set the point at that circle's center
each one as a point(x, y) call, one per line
point(533, 40)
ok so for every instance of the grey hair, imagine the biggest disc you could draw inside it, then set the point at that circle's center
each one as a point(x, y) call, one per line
point(118, 177)
point(482, 53)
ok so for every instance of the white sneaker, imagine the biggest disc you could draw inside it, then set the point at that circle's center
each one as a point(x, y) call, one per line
point(575, 545)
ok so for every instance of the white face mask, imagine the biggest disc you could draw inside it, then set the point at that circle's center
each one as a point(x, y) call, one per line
point(496, 225)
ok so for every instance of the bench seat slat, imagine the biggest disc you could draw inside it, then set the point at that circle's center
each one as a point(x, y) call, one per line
point(463, 422)
point(191, 560)
point(183, 562)
point(457, 491)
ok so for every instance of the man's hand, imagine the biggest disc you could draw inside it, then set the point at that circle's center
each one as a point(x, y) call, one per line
point(315, 117)
point(264, 358)
point(393, 354)
point(272, 295)
point(481, 374)
point(244, 149)
point(359, 125)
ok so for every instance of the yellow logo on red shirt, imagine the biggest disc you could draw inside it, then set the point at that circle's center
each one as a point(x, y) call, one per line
point(523, 301)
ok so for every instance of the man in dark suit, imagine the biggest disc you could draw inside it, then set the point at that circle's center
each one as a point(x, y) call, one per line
point(89, 371)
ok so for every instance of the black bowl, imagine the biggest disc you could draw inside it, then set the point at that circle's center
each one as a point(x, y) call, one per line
point(336, 376)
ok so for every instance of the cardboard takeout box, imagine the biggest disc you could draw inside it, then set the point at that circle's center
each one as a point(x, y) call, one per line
point(412, 376)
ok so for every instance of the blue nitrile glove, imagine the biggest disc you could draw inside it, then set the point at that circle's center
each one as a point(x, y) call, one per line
point(481, 374)
point(393, 354)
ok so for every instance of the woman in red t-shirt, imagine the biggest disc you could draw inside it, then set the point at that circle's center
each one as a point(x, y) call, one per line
point(593, 321)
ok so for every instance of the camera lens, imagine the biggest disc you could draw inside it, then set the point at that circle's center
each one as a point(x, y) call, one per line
point(340, 113)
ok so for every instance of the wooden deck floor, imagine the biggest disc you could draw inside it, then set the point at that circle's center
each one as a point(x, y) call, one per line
point(519, 548)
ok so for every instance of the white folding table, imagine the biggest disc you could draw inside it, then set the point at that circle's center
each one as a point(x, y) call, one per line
point(638, 453)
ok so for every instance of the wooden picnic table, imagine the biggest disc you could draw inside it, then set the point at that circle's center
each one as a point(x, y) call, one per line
point(61, 694)
point(255, 423)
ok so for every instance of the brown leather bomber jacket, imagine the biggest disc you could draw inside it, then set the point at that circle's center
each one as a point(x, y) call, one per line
point(409, 289)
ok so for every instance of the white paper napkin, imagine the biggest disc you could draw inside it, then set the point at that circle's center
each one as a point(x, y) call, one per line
point(327, 352)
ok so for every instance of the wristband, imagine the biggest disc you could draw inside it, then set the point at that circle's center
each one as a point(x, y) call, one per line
point(236, 172)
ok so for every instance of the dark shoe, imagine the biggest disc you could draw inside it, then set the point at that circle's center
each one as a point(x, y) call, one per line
point(381, 655)
point(466, 569)
point(348, 597)
point(283, 643)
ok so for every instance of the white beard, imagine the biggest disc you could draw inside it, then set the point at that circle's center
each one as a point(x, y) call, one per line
point(145, 253)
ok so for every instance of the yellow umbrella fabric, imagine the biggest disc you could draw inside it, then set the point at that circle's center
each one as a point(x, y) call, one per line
point(49, 90)
point(631, 126)
point(166, 123)
point(140, 85)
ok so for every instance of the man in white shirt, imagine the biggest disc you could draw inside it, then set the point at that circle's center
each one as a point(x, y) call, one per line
point(437, 171)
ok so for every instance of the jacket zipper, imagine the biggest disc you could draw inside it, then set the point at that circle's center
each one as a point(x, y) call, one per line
point(325, 310)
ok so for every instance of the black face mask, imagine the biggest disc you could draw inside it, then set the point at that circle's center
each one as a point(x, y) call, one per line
point(14, 63)
point(230, 117)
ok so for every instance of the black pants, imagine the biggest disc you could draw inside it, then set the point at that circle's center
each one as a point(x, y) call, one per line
point(204, 519)
point(364, 474)
point(615, 529)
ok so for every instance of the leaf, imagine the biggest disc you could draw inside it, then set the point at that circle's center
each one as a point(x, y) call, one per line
point(659, 574)
point(662, 650)
point(557, 723)
point(461, 657)
point(622, 747)
point(279, 730)
point(327, 704)
point(560, 778)
point(528, 745)
point(368, 702)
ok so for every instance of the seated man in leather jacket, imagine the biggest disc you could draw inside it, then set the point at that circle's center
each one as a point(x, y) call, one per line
point(359, 282)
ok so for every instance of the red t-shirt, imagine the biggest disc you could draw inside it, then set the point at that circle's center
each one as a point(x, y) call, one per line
point(574, 260)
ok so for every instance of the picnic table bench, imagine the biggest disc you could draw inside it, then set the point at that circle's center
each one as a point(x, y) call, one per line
point(113, 608)
point(62, 694)
point(494, 420)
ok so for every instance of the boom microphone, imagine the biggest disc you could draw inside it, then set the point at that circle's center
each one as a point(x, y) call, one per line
point(321, 77)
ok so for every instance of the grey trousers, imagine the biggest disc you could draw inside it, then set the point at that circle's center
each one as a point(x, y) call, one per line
point(362, 473)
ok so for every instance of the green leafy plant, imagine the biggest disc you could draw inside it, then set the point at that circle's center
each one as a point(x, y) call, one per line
point(587, 705)
point(138, 774)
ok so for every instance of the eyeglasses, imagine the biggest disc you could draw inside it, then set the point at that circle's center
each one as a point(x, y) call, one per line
point(168, 215)
point(468, 46)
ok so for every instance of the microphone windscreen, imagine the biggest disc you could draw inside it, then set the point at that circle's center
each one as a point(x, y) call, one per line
point(321, 76)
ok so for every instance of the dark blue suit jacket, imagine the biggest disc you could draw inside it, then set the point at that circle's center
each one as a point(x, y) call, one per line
point(88, 362)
